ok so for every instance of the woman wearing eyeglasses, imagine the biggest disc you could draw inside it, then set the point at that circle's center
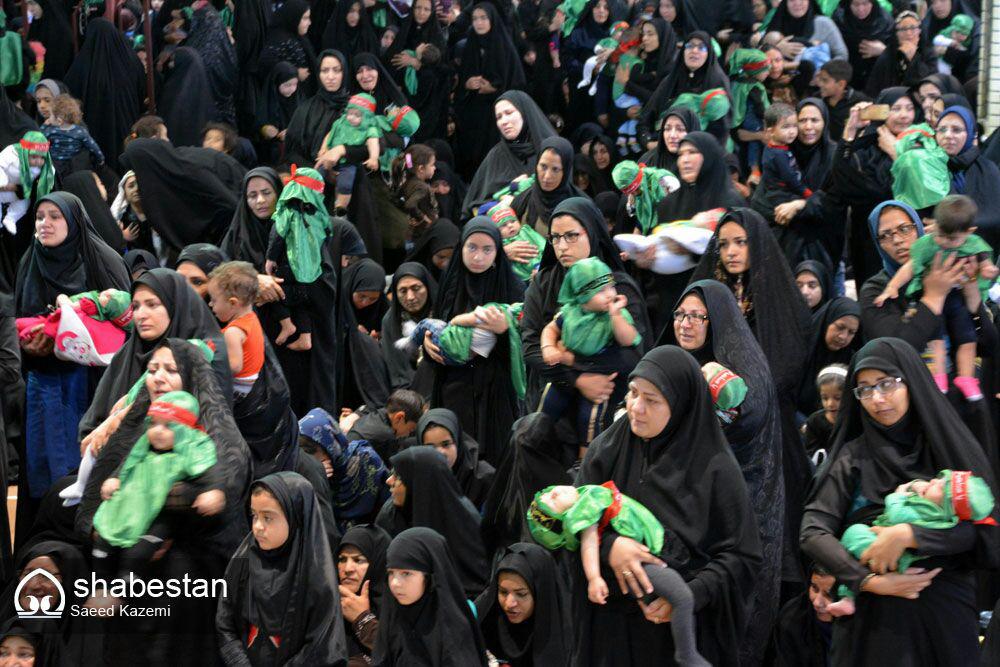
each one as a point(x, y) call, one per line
point(895, 226)
point(908, 57)
point(576, 231)
point(895, 426)
point(708, 323)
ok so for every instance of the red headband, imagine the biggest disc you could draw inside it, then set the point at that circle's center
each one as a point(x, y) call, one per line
point(174, 413)
point(754, 66)
point(632, 187)
point(358, 101)
point(960, 497)
point(714, 93)
point(42, 146)
point(306, 181)
point(399, 116)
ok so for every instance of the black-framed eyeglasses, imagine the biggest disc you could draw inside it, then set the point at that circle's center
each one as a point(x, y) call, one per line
point(569, 237)
point(902, 231)
point(695, 318)
point(884, 387)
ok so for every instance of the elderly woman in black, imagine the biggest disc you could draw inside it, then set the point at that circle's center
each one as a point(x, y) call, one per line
point(699, 496)
point(708, 324)
point(895, 426)
point(482, 392)
point(577, 231)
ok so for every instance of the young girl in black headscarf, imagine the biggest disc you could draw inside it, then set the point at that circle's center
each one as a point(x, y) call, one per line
point(283, 603)
point(280, 99)
point(440, 429)
point(481, 393)
point(427, 618)
point(286, 41)
point(66, 257)
point(524, 615)
point(553, 184)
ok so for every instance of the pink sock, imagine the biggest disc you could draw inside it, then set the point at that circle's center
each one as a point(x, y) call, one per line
point(969, 386)
point(941, 380)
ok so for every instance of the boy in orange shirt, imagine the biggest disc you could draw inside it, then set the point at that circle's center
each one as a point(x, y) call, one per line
point(232, 290)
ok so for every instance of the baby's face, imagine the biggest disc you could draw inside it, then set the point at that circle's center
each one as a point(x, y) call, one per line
point(353, 117)
point(560, 498)
point(36, 160)
point(951, 241)
point(932, 490)
point(161, 436)
point(510, 229)
point(601, 302)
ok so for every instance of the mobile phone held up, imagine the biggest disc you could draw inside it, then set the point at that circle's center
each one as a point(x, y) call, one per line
point(875, 112)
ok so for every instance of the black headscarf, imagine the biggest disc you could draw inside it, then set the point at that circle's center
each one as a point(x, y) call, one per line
point(203, 255)
point(313, 117)
point(366, 275)
point(80, 263)
point(207, 35)
point(350, 41)
point(54, 30)
point(291, 591)
point(945, 83)
point(434, 500)
point(183, 198)
point(462, 291)
point(372, 542)
point(877, 26)
point(815, 161)
point(475, 477)
point(360, 358)
point(661, 156)
point(246, 238)
point(398, 362)
point(800, 29)
point(755, 438)
point(283, 36)
point(547, 637)
point(819, 355)
point(13, 122)
point(596, 182)
point(536, 204)
point(439, 628)
point(190, 317)
point(492, 56)
point(510, 159)
point(682, 80)
point(140, 260)
point(929, 438)
point(699, 496)
point(386, 91)
point(411, 35)
point(442, 234)
point(220, 534)
point(83, 185)
point(111, 82)
point(613, 155)
point(779, 316)
point(822, 274)
point(712, 189)
point(277, 109)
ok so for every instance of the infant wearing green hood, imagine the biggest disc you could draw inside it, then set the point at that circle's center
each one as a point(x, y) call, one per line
point(576, 517)
point(952, 496)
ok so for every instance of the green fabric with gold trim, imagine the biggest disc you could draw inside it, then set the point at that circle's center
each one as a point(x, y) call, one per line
point(301, 219)
point(744, 65)
point(11, 55)
point(147, 475)
point(911, 508)
point(43, 184)
point(650, 190)
point(920, 175)
point(554, 531)
point(586, 332)
point(456, 341)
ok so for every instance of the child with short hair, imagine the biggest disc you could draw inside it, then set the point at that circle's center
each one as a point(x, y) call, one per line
point(574, 518)
point(748, 69)
point(939, 504)
point(173, 449)
point(781, 181)
point(24, 166)
point(411, 172)
point(356, 127)
point(294, 253)
point(592, 322)
point(232, 289)
point(954, 234)
point(67, 138)
point(834, 82)
point(818, 429)
point(511, 231)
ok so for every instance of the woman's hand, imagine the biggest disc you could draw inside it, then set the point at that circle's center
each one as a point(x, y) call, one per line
point(595, 387)
point(790, 49)
point(269, 131)
point(487, 88)
point(432, 350)
point(303, 73)
point(111, 484)
point(625, 560)
point(657, 611)
point(645, 259)
point(130, 233)
point(521, 252)
point(352, 606)
point(269, 289)
point(474, 83)
point(890, 543)
point(209, 503)
point(871, 48)
point(907, 585)
point(37, 344)
point(908, 49)
point(492, 319)
point(854, 122)
point(784, 213)
point(887, 142)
